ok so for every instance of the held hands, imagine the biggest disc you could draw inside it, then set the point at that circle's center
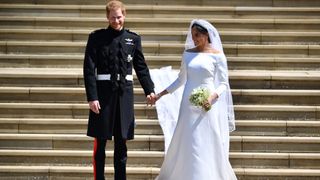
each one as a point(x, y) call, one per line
point(151, 99)
point(95, 106)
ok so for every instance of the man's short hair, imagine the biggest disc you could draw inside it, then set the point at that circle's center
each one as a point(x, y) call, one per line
point(114, 5)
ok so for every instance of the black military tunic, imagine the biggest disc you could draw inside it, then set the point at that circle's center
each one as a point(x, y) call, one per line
point(115, 53)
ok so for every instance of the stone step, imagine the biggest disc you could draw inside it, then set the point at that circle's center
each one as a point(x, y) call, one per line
point(156, 143)
point(277, 128)
point(12, 157)
point(77, 110)
point(75, 10)
point(77, 94)
point(73, 126)
point(239, 79)
point(265, 3)
point(300, 128)
point(234, 62)
point(163, 48)
point(276, 96)
point(172, 23)
point(227, 36)
point(42, 76)
point(259, 79)
point(276, 112)
point(143, 173)
point(273, 63)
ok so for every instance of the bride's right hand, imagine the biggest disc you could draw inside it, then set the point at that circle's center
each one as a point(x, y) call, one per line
point(213, 98)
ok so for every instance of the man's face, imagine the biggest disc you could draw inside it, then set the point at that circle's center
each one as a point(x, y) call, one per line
point(116, 19)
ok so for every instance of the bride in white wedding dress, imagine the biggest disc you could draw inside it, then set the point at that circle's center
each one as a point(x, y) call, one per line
point(199, 148)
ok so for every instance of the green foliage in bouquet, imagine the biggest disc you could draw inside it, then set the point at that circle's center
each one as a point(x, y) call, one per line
point(199, 96)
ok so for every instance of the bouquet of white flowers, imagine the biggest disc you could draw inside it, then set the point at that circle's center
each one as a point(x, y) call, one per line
point(199, 96)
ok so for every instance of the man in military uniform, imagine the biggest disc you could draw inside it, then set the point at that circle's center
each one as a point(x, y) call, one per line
point(110, 55)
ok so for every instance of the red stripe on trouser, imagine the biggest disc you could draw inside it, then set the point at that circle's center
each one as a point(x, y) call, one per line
point(95, 147)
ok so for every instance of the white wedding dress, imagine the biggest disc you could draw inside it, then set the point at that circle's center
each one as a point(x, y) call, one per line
point(199, 149)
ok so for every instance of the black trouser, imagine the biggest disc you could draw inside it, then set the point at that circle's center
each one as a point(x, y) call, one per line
point(120, 154)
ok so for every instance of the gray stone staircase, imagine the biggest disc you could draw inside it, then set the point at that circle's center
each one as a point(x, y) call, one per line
point(273, 51)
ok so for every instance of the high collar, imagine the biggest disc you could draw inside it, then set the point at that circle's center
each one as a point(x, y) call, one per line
point(115, 32)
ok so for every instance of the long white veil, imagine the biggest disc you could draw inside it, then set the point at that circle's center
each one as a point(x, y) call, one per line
point(167, 106)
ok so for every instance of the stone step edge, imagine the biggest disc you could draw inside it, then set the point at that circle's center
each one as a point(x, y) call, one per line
point(139, 91)
point(155, 171)
point(160, 7)
point(309, 50)
point(160, 138)
point(259, 32)
point(158, 45)
point(271, 75)
point(155, 122)
point(168, 58)
point(277, 108)
point(272, 21)
point(42, 121)
point(156, 154)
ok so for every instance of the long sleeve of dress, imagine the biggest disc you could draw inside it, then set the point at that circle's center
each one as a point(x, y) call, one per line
point(221, 75)
point(222, 84)
point(181, 79)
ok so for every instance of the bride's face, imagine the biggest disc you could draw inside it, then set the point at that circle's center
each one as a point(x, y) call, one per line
point(199, 39)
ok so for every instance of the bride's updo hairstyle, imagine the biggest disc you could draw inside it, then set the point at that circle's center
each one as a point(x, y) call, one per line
point(201, 30)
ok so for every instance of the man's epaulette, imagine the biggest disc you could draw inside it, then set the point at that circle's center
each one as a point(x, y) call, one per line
point(132, 32)
point(97, 31)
